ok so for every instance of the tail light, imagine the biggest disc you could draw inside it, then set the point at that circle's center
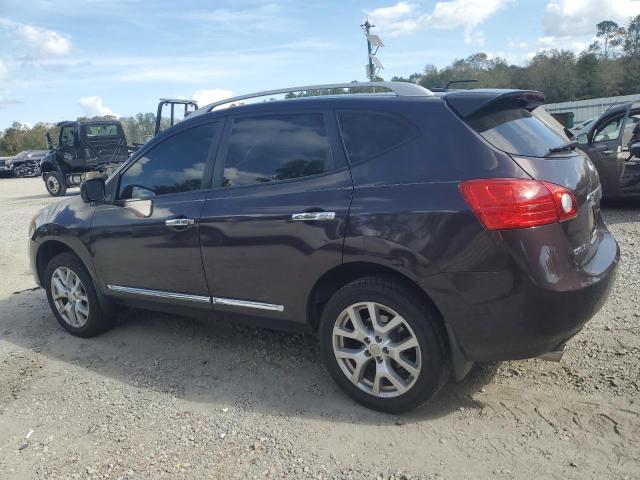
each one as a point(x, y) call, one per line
point(508, 203)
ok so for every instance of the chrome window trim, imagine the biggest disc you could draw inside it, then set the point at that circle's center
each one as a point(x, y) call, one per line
point(159, 294)
point(248, 304)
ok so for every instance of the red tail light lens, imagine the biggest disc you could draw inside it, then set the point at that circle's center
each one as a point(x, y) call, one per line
point(508, 203)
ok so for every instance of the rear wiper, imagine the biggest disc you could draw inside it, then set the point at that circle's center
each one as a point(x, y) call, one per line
point(566, 146)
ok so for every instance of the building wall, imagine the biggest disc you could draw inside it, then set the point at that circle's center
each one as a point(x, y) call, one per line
point(585, 109)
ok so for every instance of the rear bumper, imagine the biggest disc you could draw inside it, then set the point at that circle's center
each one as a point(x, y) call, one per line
point(508, 316)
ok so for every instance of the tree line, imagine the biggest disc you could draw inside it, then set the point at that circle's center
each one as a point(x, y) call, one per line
point(610, 66)
point(19, 136)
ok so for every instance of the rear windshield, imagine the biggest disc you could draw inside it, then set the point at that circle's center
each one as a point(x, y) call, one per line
point(103, 130)
point(517, 131)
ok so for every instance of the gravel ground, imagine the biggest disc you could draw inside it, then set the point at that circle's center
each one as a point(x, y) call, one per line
point(168, 397)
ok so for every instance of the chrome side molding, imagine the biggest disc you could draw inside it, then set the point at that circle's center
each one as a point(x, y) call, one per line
point(159, 294)
point(198, 298)
point(313, 216)
point(248, 304)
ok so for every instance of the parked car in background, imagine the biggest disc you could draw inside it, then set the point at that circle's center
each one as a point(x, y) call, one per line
point(26, 163)
point(607, 141)
point(5, 170)
point(413, 233)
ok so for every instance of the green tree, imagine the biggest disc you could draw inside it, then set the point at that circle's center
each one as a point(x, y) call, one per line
point(609, 37)
point(632, 37)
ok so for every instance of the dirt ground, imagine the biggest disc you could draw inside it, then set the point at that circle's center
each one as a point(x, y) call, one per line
point(168, 397)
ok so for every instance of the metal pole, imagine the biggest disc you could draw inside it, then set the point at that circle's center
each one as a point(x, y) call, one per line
point(367, 26)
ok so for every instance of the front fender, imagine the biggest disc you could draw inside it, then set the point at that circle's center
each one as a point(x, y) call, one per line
point(66, 223)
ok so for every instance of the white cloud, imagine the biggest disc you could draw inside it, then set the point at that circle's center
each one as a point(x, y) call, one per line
point(93, 106)
point(204, 97)
point(43, 42)
point(4, 72)
point(565, 18)
point(405, 17)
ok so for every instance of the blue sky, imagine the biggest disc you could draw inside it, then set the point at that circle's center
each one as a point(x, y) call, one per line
point(62, 59)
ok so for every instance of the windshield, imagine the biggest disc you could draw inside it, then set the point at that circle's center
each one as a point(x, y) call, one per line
point(517, 131)
point(101, 130)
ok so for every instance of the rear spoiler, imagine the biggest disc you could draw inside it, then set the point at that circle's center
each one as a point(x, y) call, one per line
point(470, 103)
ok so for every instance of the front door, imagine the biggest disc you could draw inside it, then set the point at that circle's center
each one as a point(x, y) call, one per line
point(606, 153)
point(275, 220)
point(146, 242)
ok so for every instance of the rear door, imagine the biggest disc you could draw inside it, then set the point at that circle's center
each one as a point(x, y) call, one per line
point(275, 220)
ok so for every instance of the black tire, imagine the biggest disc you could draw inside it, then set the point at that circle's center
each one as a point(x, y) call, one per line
point(19, 172)
point(55, 184)
point(422, 319)
point(101, 314)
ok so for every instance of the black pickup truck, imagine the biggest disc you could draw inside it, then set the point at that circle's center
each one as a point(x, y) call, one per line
point(97, 146)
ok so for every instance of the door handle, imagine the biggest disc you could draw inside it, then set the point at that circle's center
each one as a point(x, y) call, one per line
point(607, 152)
point(313, 216)
point(179, 222)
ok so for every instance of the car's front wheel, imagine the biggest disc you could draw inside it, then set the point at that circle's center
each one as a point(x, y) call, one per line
point(73, 297)
point(55, 184)
point(384, 346)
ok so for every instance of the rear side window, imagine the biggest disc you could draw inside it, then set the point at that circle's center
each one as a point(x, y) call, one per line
point(271, 148)
point(516, 131)
point(173, 166)
point(101, 130)
point(367, 134)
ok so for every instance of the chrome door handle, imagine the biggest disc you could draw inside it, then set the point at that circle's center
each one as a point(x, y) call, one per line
point(607, 152)
point(179, 222)
point(313, 216)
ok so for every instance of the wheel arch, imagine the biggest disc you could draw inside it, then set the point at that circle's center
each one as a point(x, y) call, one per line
point(344, 273)
point(49, 249)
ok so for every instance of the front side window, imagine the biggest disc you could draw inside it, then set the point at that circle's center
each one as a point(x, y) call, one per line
point(270, 148)
point(367, 134)
point(609, 131)
point(173, 166)
point(66, 136)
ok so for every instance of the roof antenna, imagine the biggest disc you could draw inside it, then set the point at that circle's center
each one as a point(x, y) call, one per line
point(373, 41)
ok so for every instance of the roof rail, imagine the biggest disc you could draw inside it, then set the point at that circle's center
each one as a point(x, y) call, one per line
point(401, 89)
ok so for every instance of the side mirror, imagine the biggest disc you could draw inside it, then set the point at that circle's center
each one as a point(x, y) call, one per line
point(49, 141)
point(582, 139)
point(92, 190)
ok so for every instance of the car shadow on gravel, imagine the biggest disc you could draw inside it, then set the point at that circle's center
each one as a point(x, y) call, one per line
point(214, 364)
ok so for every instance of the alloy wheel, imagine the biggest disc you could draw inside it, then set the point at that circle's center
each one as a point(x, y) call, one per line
point(70, 297)
point(377, 349)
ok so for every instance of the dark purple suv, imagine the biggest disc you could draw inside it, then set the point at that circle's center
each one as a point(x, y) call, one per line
point(414, 233)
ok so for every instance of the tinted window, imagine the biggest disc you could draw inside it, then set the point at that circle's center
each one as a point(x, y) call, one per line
point(517, 131)
point(367, 134)
point(276, 147)
point(175, 165)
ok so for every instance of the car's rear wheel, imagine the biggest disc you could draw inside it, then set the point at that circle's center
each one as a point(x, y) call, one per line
point(55, 184)
point(384, 346)
point(73, 297)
